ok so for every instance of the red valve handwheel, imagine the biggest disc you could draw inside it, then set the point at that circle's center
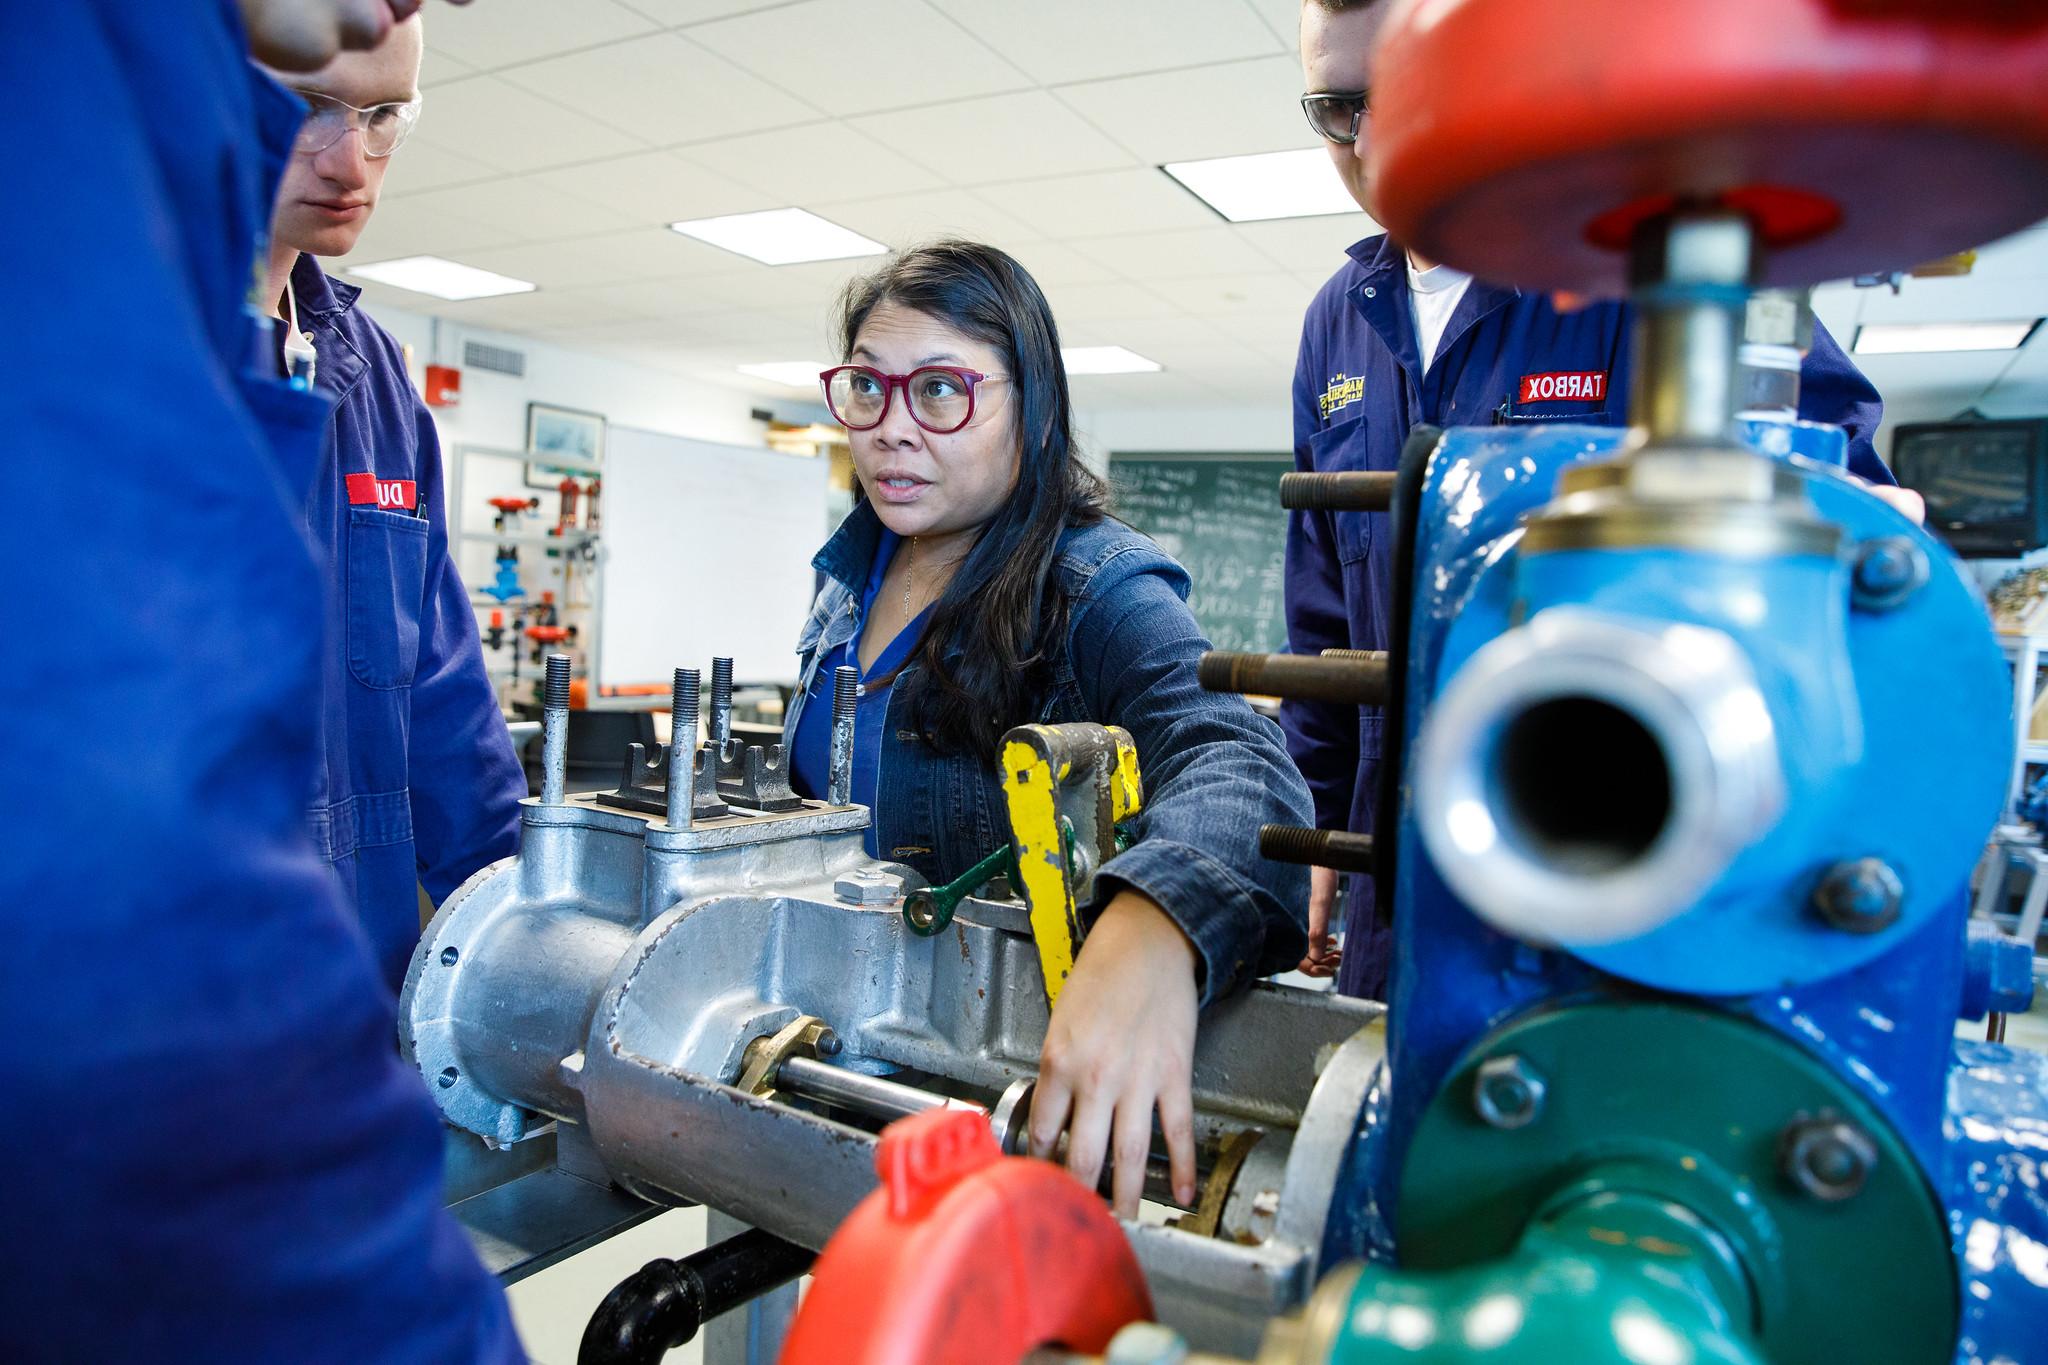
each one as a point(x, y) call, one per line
point(1522, 139)
point(966, 1257)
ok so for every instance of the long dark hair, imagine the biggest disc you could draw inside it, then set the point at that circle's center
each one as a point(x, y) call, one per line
point(986, 656)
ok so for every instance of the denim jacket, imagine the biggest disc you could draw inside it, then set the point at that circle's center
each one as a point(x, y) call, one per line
point(1214, 769)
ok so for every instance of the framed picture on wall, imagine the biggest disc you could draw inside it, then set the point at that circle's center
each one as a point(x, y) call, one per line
point(552, 430)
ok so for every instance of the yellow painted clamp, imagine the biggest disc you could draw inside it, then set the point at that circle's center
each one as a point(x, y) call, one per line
point(1067, 787)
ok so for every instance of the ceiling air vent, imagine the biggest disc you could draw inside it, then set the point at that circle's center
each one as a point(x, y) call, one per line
point(497, 359)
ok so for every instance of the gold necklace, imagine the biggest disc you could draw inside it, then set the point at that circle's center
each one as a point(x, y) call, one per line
point(909, 574)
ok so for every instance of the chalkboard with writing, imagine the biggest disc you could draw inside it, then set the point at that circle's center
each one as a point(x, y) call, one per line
point(1220, 516)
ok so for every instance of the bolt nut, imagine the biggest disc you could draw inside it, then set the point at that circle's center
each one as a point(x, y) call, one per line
point(1889, 570)
point(1861, 896)
point(1826, 1156)
point(1507, 1093)
point(865, 887)
point(1146, 1343)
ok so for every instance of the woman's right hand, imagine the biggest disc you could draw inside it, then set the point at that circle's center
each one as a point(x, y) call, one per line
point(1323, 952)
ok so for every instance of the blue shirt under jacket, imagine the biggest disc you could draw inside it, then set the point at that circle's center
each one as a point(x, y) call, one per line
point(811, 764)
point(418, 783)
point(214, 1152)
point(1359, 386)
point(1214, 770)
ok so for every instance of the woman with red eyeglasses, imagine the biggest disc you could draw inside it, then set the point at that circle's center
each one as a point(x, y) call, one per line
point(978, 585)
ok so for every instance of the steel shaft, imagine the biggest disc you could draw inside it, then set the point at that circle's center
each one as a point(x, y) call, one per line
point(682, 749)
point(1333, 848)
point(554, 761)
point(1298, 677)
point(845, 700)
point(1345, 491)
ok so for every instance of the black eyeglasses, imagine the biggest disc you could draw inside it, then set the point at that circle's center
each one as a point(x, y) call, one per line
point(1336, 117)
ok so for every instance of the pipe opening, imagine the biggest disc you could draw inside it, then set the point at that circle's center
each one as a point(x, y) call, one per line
point(1581, 785)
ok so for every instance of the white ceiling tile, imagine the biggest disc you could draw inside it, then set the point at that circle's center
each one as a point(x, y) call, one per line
point(677, 13)
point(420, 165)
point(516, 312)
point(656, 188)
point(664, 89)
point(1979, 297)
point(1313, 247)
point(1186, 254)
point(502, 126)
point(1100, 205)
point(527, 209)
point(902, 220)
point(668, 298)
point(858, 56)
point(564, 265)
point(998, 137)
point(1075, 40)
point(501, 32)
point(816, 164)
point(1230, 110)
point(1283, 17)
point(655, 253)
point(404, 227)
point(1074, 305)
point(438, 68)
point(1052, 263)
point(1277, 293)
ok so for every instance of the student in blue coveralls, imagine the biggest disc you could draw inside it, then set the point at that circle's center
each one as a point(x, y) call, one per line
point(1391, 342)
point(979, 586)
point(214, 1152)
point(418, 779)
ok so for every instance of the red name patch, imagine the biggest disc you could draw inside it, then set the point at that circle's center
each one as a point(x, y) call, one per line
point(1587, 387)
point(367, 490)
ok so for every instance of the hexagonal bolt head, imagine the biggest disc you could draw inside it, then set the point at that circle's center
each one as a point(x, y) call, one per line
point(1826, 1156)
point(868, 888)
point(1889, 570)
point(1507, 1093)
point(1861, 896)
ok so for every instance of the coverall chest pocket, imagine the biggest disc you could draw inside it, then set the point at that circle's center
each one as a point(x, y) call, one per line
point(1344, 447)
point(387, 574)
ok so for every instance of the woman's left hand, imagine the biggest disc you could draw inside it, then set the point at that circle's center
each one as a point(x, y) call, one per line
point(1122, 1041)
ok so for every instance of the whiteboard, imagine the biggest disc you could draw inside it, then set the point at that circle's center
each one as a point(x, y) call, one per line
point(707, 551)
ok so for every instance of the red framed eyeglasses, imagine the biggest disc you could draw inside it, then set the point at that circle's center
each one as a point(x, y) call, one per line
point(940, 397)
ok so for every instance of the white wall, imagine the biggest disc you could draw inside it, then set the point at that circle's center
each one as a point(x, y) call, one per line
point(493, 408)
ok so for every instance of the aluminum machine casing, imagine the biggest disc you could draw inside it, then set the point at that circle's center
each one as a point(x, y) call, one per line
point(721, 1004)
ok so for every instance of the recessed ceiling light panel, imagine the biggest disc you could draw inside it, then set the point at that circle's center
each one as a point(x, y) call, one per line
point(444, 279)
point(1266, 185)
point(1917, 338)
point(780, 237)
point(1106, 360)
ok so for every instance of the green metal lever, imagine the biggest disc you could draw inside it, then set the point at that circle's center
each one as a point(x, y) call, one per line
point(928, 910)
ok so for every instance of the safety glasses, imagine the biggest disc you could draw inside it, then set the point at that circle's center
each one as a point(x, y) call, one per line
point(1336, 117)
point(383, 127)
point(941, 397)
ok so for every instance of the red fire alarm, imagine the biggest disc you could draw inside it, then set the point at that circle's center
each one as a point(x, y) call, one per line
point(444, 386)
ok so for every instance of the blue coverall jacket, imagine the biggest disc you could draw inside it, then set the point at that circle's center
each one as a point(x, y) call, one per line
point(213, 1151)
point(1359, 386)
point(1214, 769)
point(419, 783)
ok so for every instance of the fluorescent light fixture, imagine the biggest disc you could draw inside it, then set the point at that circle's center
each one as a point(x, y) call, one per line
point(780, 237)
point(1904, 338)
point(796, 374)
point(1251, 189)
point(1106, 360)
point(442, 278)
